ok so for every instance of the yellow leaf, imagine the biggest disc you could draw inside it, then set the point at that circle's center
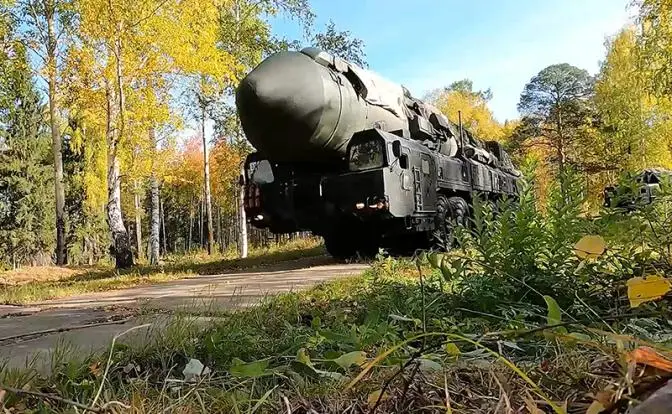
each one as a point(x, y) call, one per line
point(374, 396)
point(595, 408)
point(590, 247)
point(641, 290)
point(452, 349)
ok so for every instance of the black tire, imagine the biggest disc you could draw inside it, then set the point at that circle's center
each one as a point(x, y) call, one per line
point(345, 244)
point(450, 212)
point(339, 247)
point(367, 245)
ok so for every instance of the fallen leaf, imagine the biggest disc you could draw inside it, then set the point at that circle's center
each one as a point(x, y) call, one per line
point(95, 369)
point(248, 370)
point(595, 408)
point(452, 349)
point(554, 315)
point(345, 361)
point(641, 290)
point(374, 396)
point(590, 247)
point(648, 356)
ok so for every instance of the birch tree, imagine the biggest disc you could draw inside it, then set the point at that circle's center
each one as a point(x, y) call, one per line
point(45, 32)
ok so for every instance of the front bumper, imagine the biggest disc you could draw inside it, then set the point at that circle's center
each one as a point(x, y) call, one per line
point(379, 193)
point(356, 192)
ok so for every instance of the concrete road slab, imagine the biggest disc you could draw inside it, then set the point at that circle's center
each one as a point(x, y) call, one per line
point(88, 322)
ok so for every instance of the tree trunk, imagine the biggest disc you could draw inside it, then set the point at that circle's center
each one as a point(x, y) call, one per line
point(122, 246)
point(154, 236)
point(560, 145)
point(243, 219)
point(138, 219)
point(220, 237)
point(61, 253)
point(191, 224)
point(201, 241)
point(163, 223)
point(206, 178)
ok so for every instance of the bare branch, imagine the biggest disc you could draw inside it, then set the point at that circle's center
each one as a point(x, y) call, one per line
point(36, 19)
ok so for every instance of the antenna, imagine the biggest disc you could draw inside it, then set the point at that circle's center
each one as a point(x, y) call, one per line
point(459, 120)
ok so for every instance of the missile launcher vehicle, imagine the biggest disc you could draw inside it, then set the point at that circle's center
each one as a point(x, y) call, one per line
point(352, 157)
point(642, 191)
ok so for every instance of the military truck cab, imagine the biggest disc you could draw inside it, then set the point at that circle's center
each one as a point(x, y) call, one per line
point(397, 189)
point(387, 179)
point(284, 197)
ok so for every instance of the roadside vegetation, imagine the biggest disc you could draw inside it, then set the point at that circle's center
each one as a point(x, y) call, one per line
point(42, 283)
point(541, 308)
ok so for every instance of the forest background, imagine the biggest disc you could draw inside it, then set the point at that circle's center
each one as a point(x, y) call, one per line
point(95, 96)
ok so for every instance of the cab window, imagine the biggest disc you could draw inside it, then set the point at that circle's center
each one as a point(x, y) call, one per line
point(366, 155)
point(260, 172)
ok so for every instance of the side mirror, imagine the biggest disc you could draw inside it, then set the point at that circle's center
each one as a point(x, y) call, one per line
point(396, 148)
point(403, 161)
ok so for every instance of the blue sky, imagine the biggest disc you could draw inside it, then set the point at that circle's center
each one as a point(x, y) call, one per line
point(499, 44)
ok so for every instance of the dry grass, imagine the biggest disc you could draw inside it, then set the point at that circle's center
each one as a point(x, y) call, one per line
point(474, 381)
point(375, 313)
point(35, 284)
point(41, 274)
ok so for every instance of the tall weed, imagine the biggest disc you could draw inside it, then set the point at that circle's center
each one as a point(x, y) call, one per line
point(522, 250)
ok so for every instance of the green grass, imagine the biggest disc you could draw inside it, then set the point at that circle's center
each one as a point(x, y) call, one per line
point(41, 286)
point(285, 353)
point(513, 321)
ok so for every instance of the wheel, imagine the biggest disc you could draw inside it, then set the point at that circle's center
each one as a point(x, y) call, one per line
point(367, 245)
point(450, 212)
point(339, 247)
point(345, 243)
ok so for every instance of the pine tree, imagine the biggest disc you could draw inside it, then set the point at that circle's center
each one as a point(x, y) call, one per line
point(26, 178)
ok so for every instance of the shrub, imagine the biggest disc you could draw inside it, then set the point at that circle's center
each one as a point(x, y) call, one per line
point(515, 251)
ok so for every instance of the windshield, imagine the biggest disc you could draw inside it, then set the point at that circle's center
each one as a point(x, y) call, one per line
point(367, 154)
point(260, 172)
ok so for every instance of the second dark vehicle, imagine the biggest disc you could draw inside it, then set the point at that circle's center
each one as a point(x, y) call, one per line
point(640, 192)
point(354, 158)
